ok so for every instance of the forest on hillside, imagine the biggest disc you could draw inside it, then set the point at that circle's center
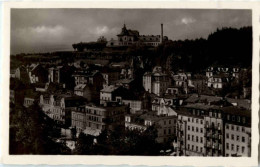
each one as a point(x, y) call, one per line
point(226, 47)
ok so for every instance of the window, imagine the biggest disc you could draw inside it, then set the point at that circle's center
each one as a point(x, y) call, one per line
point(197, 149)
point(243, 139)
point(201, 130)
point(188, 137)
point(201, 149)
point(244, 120)
point(197, 120)
point(238, 118)
point(192, 138)
point(232, 147)
point(169, 131)
point(164, 131)
point(238, 128)
point(188, 127)
point(170, 122)
point(227, 146)
point(232, 137)
point(243, 129)
point(237, 138)
point(237, 148)
point(164, 122)
point(197, 129)
point(197, 139)
point(243, 149)
point(192, 147)
point(201, 139)
point(201, 121)
point(188, 146)
point(227, 126)
point(192, 128)
point(232, 127)
point(227, 136)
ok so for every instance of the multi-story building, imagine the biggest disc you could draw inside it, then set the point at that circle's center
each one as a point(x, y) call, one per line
point(30, 98)
point(112, 93)
point(164, 105)
point(110, 76)
point(165, 125)
point(59, 106)
point(21, 73)
point(156, 81)
point(62, 74)
point(38, 74)
point(217, 81)
point(237, 132)
point(96, 118)
point(230, 71)
point(87, 77)
point(129, 37)
point(206, 130)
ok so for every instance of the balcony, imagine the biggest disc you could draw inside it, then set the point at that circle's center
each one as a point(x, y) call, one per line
point(220, 147)
point(215, 146)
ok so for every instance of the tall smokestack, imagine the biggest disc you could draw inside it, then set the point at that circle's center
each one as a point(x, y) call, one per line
point(161, 33)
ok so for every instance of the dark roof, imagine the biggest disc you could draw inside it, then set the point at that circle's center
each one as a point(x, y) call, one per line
point(232, 110)
point(194, 98)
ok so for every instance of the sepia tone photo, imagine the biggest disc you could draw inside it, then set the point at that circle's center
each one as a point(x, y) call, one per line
point(144, 82)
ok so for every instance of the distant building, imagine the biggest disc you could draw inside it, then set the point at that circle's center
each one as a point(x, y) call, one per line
point(112, 93)
point(62, 74)
point(165, 125)
point(30, 98)
point(217, 81)
point(129, 37)
point(156, 81)
point(229, 71)
point(38, 74)
point(96, 118)
point(164, 105)
point(22, 74)
point(58, 107)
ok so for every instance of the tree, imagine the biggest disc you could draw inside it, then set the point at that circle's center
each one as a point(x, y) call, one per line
point(84, 144)
point(32, 132)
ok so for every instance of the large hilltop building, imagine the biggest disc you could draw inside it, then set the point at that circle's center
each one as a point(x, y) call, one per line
point(129, 37)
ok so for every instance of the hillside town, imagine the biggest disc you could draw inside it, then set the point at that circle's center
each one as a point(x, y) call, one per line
point(102, 96)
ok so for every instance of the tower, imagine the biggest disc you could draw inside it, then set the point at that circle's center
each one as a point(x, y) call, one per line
point(161, 33)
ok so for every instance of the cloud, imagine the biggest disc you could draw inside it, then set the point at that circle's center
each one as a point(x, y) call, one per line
point(100, 30)
point(187, 20)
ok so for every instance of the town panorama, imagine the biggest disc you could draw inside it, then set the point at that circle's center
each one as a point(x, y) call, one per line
point(135, 94)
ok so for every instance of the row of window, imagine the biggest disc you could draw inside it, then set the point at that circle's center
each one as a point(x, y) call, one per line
point(195, 120)
point(192, 138)
point(195, 148)
point(236, 118)
point(169, 131)
point(237, 137)
point(234, 127)
point(193, 129)
point(237, 148)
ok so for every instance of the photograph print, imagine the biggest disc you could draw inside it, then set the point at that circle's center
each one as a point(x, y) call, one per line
point(144, 82)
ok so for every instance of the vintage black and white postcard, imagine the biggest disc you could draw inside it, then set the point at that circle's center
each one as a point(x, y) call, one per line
point(137, 83)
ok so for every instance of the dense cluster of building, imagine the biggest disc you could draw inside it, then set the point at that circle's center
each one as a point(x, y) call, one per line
point(93, 98)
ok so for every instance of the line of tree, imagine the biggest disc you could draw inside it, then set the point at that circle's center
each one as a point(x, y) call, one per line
point(32, 132)
point(226, 46)
point(119, 141)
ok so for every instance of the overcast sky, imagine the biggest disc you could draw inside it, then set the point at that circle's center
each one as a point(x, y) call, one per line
point(47, 30)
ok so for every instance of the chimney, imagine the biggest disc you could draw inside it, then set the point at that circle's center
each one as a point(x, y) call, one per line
point(161, 33)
